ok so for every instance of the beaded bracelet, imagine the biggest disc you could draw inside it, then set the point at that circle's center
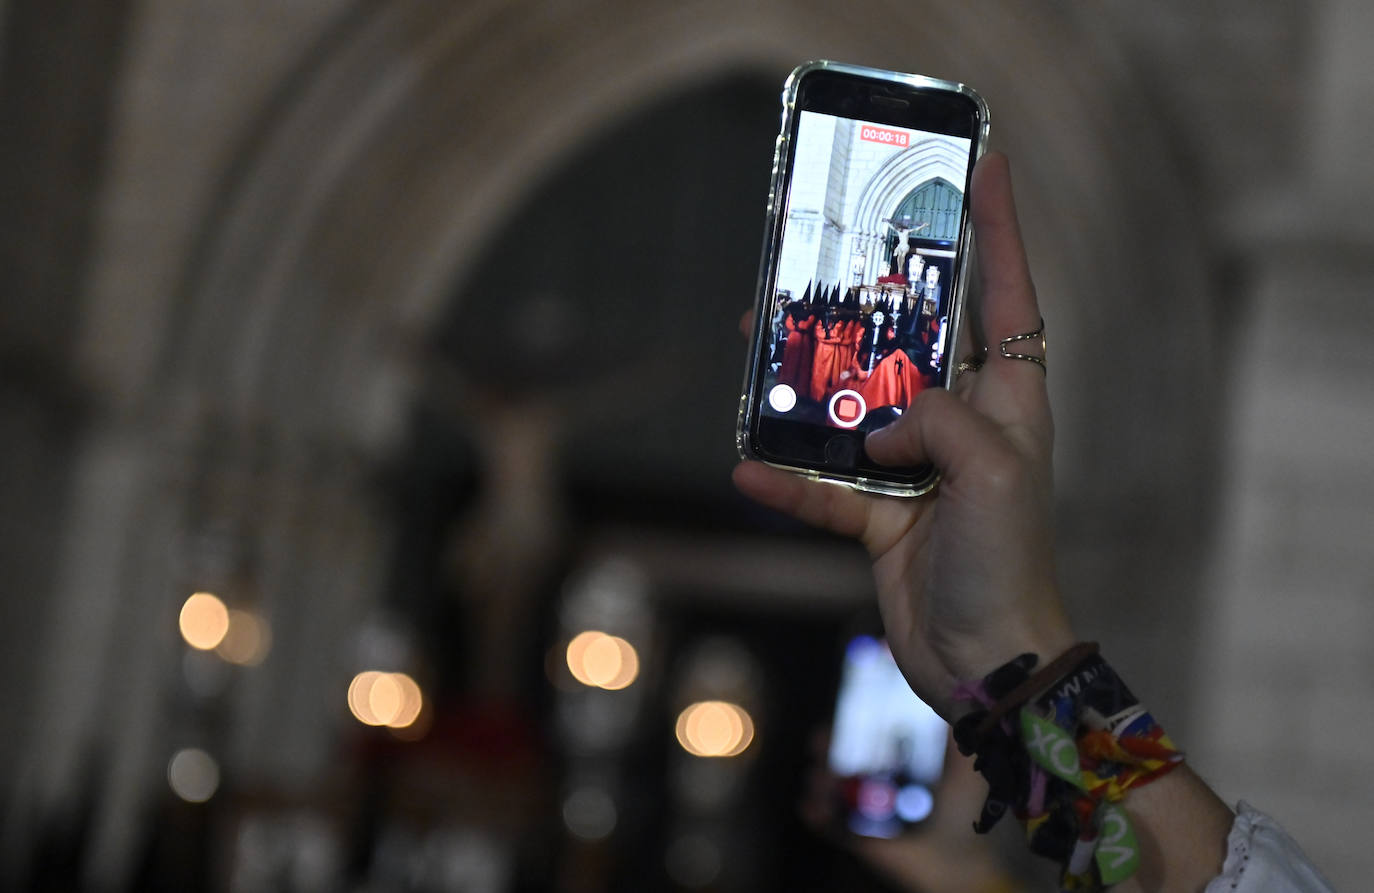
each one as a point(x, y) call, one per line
point(1059, 748)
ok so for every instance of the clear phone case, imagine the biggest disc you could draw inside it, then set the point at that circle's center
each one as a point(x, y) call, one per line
point(765, 296)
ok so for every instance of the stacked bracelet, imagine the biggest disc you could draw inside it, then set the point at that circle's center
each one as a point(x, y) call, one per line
point(1059, 747)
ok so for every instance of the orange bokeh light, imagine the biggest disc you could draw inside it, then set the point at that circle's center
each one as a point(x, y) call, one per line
point(385, 699)
point(247, 639)
point(599, 660)
point(715, 729)
point(204, 621)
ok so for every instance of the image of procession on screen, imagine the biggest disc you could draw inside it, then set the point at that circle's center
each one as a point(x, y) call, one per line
point(862, 293)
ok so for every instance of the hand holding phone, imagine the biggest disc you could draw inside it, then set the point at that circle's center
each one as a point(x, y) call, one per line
point(965, 575)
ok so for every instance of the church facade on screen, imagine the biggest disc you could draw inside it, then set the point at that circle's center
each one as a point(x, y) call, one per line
point(857, 190)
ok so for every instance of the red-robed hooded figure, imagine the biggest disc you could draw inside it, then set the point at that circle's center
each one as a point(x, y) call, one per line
point(895, 381)
point(799, 348)
point(833, 341)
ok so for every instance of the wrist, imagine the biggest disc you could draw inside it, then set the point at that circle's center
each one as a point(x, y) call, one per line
point(973, 660)
point(1047, 637)
point(1061, 745)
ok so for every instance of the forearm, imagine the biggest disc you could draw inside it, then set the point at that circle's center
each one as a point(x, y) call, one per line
point(1181, 826)
point(1101, 788)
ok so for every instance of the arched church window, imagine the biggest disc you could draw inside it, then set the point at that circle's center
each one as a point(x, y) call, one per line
point(935, 203)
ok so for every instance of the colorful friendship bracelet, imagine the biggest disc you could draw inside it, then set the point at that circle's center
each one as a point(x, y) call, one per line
point(1059, 748)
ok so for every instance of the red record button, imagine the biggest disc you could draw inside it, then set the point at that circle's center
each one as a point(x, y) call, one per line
point(847, 409)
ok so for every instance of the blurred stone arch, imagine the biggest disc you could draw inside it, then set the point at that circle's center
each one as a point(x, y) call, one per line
point(372, 181)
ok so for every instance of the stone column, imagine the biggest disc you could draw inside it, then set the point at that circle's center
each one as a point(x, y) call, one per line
point(1286, 694)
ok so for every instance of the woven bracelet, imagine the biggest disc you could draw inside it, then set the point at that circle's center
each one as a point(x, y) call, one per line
point(1058, 747)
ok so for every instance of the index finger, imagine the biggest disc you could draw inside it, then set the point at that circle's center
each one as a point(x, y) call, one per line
point(1009, 305)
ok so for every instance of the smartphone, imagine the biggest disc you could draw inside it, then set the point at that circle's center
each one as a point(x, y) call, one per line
point(887, 746)
point(861, 286)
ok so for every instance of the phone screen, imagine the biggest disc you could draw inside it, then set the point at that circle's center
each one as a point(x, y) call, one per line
point(887, 747)
point(863, 276)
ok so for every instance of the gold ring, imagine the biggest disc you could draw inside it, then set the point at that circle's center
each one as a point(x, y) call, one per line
point(971, 363)
point(1028, 336)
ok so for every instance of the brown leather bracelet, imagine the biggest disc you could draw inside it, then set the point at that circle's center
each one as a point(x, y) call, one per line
point(1045, 677)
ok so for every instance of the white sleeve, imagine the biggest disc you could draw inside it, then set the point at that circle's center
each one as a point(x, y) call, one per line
point(1260, 856)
